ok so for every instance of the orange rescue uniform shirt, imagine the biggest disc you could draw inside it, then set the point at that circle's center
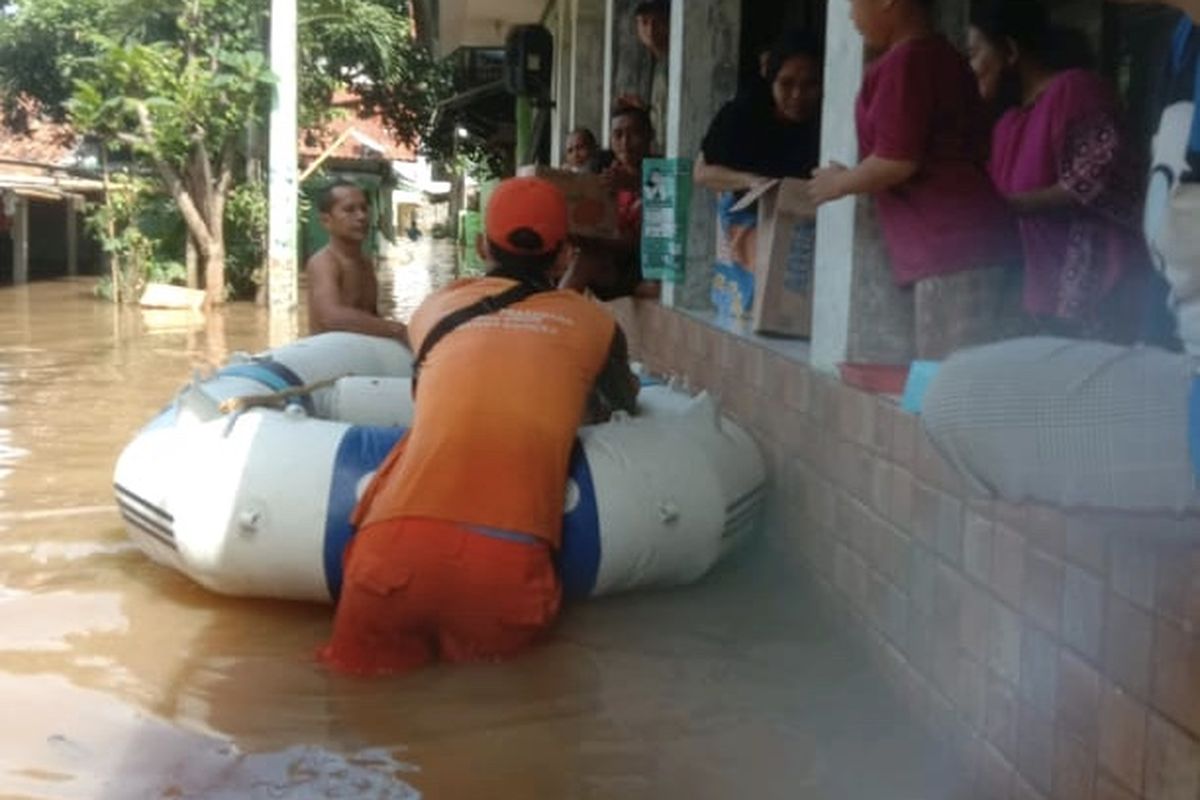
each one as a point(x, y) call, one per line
point(499, 402)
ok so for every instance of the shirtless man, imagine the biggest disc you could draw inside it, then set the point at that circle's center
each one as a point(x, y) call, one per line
point(342, 290)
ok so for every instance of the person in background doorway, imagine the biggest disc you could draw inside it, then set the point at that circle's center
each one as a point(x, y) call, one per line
point(763, 135)
point(458, 531)
point(582, 151)
point(652, 19)
point(618, 272)
point(343, 293)
point(949, 236)
point(1061, 158)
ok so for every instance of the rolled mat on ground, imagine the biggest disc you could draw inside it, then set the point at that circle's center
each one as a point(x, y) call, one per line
point(247, 480)
point(1070, 423)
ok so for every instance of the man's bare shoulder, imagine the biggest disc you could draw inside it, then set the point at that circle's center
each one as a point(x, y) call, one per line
point(321, 261)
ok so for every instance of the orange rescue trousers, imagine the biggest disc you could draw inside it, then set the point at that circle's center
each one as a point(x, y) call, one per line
point(415, 590)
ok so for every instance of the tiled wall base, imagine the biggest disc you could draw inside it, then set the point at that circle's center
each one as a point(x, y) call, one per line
point(1059, 654)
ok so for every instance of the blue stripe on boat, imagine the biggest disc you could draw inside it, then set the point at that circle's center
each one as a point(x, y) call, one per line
point(579, 558)
point(273, 375)
point(364, 448)
point(361, 450)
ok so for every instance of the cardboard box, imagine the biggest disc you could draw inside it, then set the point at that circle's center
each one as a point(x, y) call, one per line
point(591, 207)
point(732, 291)
point(783, 257)
point(666, 201)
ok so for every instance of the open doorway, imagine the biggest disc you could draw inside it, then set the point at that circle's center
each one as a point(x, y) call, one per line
point(762, 23)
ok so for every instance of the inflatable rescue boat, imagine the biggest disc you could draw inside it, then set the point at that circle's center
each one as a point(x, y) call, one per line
point(246, 481)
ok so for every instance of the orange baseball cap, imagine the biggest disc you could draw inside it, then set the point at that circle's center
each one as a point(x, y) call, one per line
point(527, 216)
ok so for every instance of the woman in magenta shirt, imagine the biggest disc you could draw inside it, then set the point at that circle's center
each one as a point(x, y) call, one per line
point(922, 137)
point(1059, 156)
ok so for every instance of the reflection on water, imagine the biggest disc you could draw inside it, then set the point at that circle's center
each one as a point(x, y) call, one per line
point(121, 679)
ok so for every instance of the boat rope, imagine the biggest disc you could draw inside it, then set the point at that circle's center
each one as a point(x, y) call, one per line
point(279, 399)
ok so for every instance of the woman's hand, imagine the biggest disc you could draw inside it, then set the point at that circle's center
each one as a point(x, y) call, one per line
point(828, 183)
point(875, 174)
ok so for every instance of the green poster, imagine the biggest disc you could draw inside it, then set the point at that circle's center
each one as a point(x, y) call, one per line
point(666, 198)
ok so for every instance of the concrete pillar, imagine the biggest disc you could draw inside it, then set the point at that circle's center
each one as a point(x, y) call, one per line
point(703, 77)
point(72, 236)
point(283, 180)
point(633, 66)
point(587, 108)
point(20, 238)
point(610, 66)
point(560, 23)
point(859, 315)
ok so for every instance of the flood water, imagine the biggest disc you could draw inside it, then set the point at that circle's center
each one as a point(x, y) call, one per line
point(121, 679)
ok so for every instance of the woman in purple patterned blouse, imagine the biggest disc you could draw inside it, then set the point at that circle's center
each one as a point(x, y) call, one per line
point(1059, 156)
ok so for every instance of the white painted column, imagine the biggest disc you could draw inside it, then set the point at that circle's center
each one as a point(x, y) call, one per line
point(20, 239)
point(72, 237)
point(564, 57)
point(588, 67)
point(858, 313)
point(283, 185)
point(610, 22)
point(835, 221)
point(703, 77)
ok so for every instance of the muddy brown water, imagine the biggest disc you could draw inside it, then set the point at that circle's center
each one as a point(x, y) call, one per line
point(122, 679)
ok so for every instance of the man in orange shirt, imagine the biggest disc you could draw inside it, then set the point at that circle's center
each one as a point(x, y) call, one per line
point(458, 530)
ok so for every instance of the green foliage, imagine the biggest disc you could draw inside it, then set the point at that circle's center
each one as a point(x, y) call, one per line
point(177, 84)
point(46, 45)
point(147, 239)
point(150, 244)
point(167, 103)
point(246, 238)
point(182, 102)
point(369, 44)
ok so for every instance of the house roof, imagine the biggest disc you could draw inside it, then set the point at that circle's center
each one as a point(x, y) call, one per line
point(42, 142)
point(356, 137)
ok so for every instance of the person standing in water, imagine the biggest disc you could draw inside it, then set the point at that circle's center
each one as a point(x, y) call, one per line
point(458, 531)
point(343, 293)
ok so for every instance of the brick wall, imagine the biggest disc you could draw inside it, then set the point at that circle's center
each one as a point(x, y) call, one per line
point(1058, 654)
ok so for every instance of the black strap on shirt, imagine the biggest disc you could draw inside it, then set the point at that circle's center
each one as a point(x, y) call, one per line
point(488, 305)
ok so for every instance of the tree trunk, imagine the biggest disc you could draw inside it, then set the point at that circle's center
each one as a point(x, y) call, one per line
point(214, 274)
point(110, 230)
point(192, 261)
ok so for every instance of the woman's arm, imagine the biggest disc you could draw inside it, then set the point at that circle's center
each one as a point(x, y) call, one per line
point(723, 179)
point(873, 175)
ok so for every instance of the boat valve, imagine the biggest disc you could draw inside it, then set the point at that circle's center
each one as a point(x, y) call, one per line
point(248, 521)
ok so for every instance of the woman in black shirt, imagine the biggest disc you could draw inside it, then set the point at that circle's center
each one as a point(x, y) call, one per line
point(771, 131)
